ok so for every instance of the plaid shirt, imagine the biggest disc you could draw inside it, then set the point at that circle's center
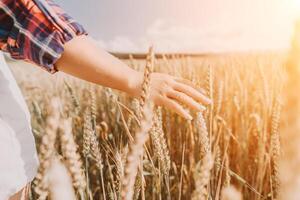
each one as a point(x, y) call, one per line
point(35, 31)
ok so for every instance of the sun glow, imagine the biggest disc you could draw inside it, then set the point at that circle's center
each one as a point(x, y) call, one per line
point(297, 3)
point(296, 7)
point(291, 9)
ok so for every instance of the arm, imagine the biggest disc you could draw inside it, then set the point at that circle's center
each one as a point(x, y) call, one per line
point(82, 58)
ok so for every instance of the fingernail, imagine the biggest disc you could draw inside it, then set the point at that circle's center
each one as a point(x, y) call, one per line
point(208, 101)
point(202, 91)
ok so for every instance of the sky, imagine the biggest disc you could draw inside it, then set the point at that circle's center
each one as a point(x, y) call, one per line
point(187, 25)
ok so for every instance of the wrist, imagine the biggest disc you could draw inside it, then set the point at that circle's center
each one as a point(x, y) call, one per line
point(135, 84)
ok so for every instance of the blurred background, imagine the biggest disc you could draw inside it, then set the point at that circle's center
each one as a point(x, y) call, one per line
point(187, 26)
point(243, 53)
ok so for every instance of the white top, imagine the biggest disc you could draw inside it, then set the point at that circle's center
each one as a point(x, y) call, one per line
point(18, 157)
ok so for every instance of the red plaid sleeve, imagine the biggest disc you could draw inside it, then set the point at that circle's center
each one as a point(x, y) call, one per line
point(36, 31)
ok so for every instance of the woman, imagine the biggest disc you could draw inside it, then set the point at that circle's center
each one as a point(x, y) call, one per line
point(39, 31)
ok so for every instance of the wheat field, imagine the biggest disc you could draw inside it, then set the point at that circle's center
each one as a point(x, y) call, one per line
point(98, 143)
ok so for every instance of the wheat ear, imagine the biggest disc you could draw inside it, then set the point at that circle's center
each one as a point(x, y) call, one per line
point(134, 156)
point(69, 150)
point(275, 148)
point(146, 83)
point(202, 176)
point(87, 133)
point(159, 142)
point(47, 149)
point(74, 98)
point(203, 168)
point(93, 107)
point(202, 131)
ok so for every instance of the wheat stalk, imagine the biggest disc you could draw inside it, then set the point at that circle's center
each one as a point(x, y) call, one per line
point(139, 185)
point(220, 98)
point(227, 172)
point(130, 186)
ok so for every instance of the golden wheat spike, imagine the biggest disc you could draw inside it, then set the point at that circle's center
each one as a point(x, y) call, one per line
point(203, 168)
point(201, 128)
point(202, 177)
point(87, 133)
point(147, 73)
point(47, 149)
point(73, 160)
point(134, 156)
point(275, 147)
point(159, 142)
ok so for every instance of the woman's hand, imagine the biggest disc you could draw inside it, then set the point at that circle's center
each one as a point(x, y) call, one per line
point(171, 92)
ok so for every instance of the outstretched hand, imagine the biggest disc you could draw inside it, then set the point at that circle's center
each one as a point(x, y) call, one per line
point(171, 92)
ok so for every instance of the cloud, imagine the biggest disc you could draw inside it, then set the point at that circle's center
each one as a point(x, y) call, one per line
point(168, 37)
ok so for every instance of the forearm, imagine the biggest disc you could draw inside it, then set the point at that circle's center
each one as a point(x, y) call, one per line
point(82, 58)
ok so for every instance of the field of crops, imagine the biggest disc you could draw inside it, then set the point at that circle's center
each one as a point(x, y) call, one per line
point(97, 143)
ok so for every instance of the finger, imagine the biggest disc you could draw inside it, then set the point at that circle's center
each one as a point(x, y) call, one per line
point(191, 84)
point(191, 92)
point(176, 107)
point(183, 98)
